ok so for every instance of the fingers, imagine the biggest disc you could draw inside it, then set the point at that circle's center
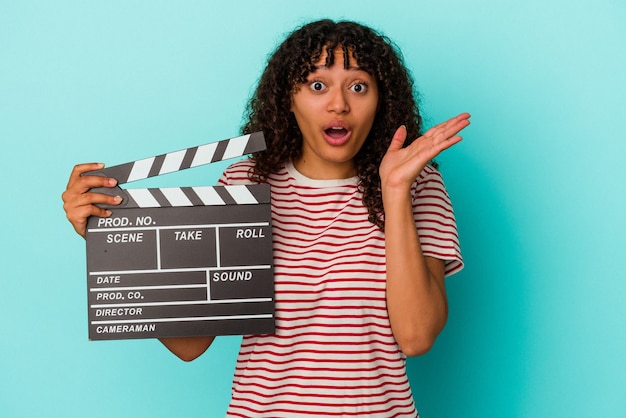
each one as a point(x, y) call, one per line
point(79, 207)
point(448, 129)
point(78, 216)
point(400, 166)
point(398, 138)
point(79, 169)
point(79, 204)
point(89, 199)
point(443, 136)
point(81, 184)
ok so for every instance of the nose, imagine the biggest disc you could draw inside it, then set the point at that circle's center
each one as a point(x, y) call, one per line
point(337, 101)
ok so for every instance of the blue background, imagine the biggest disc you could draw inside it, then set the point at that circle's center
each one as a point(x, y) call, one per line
point(537, 318)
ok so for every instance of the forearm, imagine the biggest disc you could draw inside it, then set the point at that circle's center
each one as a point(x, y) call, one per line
point(187, 348)
point(416, 299)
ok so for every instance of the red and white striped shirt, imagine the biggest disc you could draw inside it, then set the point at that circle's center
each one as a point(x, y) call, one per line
point(333, 353)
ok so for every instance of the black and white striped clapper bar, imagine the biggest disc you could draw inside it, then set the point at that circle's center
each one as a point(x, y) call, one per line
point(182, 261)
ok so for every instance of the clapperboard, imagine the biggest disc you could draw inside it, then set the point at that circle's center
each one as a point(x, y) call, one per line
point(182, 261)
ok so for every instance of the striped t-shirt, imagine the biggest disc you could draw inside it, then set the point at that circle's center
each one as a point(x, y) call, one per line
point(333, 353)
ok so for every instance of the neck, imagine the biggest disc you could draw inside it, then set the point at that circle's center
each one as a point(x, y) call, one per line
point(330, 171)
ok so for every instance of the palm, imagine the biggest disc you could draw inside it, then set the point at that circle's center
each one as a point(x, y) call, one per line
point(400, 166)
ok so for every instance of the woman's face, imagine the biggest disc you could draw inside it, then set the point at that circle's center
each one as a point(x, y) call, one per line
point(335, 110)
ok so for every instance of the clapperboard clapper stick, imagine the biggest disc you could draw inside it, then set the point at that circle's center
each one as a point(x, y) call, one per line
point(182, 261)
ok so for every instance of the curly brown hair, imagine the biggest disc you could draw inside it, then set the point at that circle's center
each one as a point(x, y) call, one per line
point(288, 67)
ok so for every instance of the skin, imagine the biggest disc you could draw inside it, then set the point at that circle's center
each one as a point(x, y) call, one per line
point(333, 97)
point(416, 295)
point(79, 204)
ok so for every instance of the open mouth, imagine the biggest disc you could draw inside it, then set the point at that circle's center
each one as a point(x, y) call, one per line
point(336, 132)
point(337, 135)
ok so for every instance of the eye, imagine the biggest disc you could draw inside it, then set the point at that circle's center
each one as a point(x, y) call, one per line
point(359, 87)
point(317, 85)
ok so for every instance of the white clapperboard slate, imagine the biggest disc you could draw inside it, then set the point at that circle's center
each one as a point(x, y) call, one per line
point(183, 261)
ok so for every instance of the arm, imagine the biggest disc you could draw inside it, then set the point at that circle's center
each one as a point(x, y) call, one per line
point(416, 296)
point(187, 348)
point(79, 204)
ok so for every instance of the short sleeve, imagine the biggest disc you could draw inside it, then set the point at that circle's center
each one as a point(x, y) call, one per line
point(435, 221)
point(237, 173)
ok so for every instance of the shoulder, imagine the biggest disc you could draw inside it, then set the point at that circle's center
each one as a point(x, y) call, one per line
point(429, 173)
point(238, 173)
point(429, 179)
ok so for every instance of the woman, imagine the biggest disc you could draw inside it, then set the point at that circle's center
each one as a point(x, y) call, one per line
point(363, 229)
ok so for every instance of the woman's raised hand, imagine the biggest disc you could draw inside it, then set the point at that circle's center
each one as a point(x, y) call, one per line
point(401, 166)
point(79, 203)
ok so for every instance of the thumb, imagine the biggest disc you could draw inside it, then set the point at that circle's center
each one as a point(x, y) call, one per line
point(398, 139)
